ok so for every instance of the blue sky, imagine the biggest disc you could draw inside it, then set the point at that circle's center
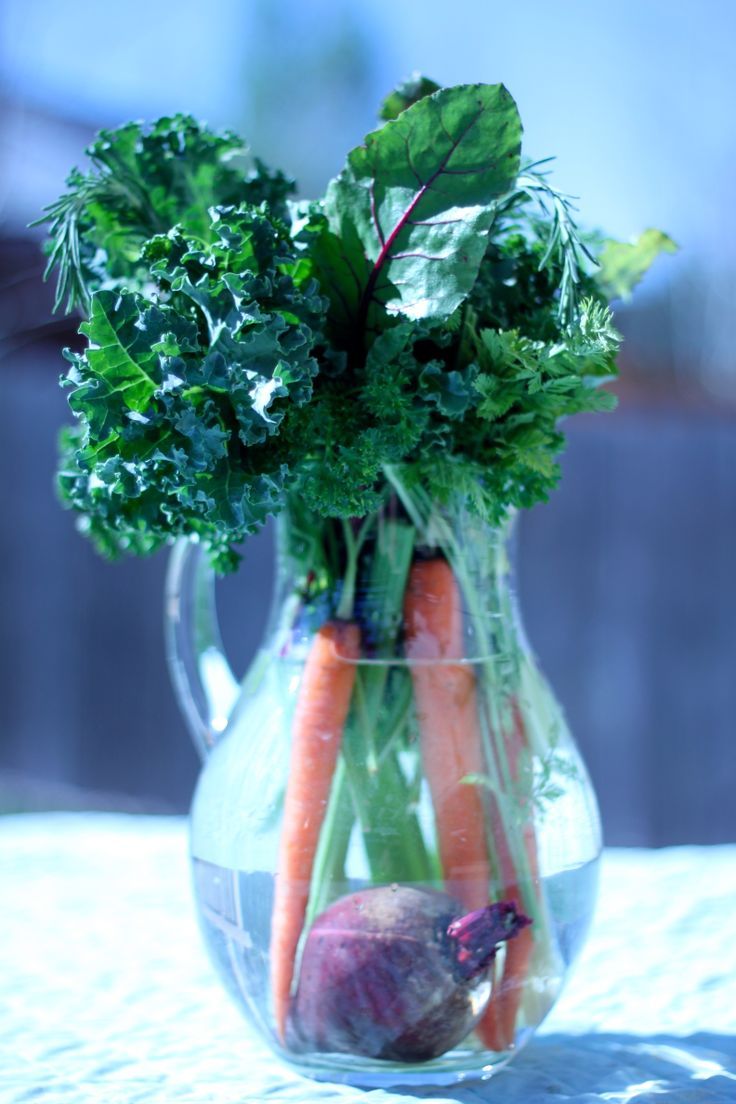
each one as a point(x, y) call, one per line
point(635, 99)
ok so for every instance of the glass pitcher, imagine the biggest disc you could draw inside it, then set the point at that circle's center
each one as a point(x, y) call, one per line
point(394, 838)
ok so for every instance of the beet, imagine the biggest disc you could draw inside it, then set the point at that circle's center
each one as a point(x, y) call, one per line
point(396, 973)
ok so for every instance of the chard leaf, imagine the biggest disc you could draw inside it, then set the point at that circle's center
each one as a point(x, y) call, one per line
point(341, 268)
point(420, 197)
point(623, 264)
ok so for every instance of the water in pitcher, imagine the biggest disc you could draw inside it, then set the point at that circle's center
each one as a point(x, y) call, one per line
point(235, 915)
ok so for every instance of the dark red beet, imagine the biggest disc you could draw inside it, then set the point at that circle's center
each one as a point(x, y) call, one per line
point(396, 973)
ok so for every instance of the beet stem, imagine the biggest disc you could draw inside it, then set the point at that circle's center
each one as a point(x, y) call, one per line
point(476, 936)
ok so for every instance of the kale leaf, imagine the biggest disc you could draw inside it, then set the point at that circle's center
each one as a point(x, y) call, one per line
point(177, 396)
point(144, 181)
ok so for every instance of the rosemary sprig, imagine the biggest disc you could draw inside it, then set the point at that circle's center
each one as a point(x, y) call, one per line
point(564, 245)
point(69, 221)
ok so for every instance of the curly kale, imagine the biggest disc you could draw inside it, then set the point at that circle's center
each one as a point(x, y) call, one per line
point(180, 390)
point(143, 182)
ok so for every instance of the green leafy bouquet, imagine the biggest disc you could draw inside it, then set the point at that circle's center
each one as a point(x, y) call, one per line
point(437, 309)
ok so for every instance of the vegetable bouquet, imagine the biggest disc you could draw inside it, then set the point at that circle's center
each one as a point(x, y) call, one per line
point(385, 369)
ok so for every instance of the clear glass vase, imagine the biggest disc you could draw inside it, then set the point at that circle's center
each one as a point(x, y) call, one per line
point(394, 838)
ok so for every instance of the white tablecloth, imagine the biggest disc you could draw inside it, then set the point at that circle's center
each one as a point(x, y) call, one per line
point(106, 993)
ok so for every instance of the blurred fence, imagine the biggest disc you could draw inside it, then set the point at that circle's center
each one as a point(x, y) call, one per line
point(626, 582)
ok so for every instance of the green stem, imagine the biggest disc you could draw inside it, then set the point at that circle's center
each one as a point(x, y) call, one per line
point(369, 781)
point(329, 863)
point(397, 719)
point(353, 546)
point(347, 596)
point(393, 839)
point(390, 830)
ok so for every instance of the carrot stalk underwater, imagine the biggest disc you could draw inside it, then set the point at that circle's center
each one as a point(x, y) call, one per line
point(496, 1028)
point(452, 748)
point(447, 712)
point(319, 719)
point(497, 1025)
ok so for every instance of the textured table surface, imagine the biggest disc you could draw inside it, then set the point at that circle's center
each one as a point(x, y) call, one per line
point(106, 994)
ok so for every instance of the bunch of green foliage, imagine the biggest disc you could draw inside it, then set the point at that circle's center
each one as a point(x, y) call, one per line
point(437, 310)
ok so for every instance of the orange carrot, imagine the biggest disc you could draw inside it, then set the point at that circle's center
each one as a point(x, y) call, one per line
point(496, 1028)
point(497, 1025)
point(451, 746)
point(321, 711)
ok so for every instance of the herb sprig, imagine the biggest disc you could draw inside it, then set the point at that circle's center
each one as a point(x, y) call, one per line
point(438, 309)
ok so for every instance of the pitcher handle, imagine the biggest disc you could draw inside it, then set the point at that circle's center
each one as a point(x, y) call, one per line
point(204, 683)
